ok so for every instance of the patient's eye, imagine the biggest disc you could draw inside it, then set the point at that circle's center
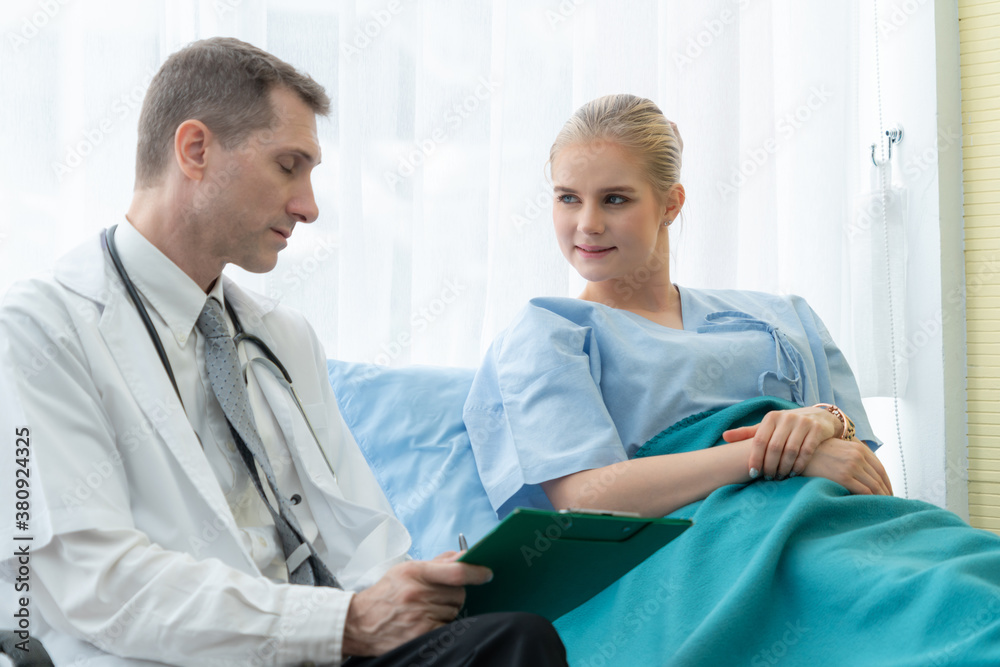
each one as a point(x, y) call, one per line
point(286, 167)
point(616, 199)
point(567, 199)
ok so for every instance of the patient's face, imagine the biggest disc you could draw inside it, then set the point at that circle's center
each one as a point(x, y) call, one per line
point(608, 218)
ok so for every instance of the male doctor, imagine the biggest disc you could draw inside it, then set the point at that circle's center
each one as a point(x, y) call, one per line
point(197, 514)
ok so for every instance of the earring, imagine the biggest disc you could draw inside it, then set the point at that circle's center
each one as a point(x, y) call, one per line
point(667, 223)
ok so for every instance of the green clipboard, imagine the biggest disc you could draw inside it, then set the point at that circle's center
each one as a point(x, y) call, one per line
point(549, 562)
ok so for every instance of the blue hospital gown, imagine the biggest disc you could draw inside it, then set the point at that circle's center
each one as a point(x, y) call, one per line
point(797, 571)
point(573, 385)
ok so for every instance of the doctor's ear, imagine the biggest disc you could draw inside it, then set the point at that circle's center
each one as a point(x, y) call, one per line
point(191, 146)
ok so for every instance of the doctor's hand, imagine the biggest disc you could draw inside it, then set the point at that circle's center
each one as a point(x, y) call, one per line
point(412, 598)
point(785, 440)
point(852, 465)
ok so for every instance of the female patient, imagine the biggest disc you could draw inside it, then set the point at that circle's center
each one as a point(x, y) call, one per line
point(583, 383)
point(572, 396)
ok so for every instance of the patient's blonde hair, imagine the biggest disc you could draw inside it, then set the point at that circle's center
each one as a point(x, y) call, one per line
point(635, 123)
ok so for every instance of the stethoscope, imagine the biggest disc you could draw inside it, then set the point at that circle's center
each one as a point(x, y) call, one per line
point(108, 241)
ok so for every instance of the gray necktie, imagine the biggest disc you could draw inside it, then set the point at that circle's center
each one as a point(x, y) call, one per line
point(222, 360)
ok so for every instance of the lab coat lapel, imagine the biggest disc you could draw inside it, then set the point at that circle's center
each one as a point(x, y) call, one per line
point(88, 272)
point(150, 386)
point(270, 395)
point(276, 401)
point(340, 518)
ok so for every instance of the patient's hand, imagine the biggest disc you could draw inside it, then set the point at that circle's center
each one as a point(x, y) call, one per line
point(785, 440)
point(412, 598)
point(852, 465)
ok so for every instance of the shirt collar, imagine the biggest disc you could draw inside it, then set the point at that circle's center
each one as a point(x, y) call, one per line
point(171, 292)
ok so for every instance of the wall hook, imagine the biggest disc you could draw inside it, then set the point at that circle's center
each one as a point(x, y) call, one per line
point(894, 134)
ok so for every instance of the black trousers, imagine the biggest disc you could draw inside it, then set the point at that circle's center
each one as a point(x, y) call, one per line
point(500, 640)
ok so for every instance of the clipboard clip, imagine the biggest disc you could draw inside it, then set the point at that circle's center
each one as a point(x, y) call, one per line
point(584, 510)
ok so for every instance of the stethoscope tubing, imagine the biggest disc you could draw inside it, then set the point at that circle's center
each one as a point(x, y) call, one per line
point(108, 240)
point(108, 237)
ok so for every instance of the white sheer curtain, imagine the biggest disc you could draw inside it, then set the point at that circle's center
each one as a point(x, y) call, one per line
point(435, 210)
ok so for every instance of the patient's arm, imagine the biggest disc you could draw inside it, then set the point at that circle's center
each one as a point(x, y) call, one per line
point(658, 485)
point(653, 485)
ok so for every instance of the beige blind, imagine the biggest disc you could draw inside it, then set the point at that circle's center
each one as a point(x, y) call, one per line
point(979, 35)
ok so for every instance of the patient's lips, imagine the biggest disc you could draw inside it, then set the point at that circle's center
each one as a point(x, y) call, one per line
point(593, 250)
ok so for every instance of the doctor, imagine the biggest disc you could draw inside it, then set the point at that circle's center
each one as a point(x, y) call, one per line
point(187, 514)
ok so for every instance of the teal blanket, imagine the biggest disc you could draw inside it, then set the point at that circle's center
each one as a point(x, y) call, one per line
point(797, 572)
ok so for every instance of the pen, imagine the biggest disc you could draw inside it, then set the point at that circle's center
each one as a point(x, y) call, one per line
point(462, 544)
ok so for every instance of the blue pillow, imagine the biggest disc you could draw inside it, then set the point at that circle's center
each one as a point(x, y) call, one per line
point(408, 424)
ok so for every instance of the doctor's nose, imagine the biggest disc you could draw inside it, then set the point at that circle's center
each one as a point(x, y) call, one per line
point(303, 207)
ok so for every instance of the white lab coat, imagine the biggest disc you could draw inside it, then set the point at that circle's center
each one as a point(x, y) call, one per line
point(112, 449)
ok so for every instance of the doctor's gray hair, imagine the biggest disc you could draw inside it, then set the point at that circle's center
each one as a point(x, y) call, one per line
point(226, 84)
point(635, 123)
